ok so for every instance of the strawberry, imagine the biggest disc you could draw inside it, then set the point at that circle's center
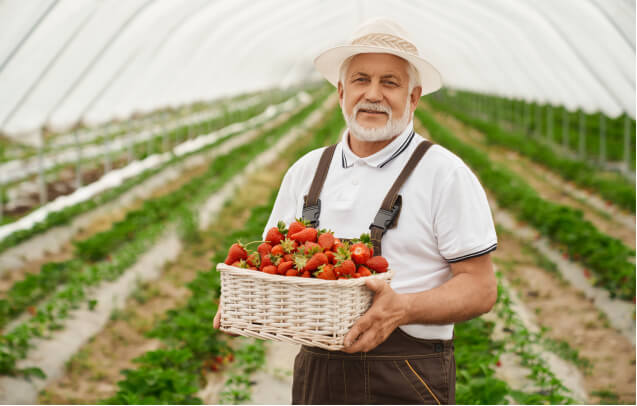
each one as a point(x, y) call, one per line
point(312, 246)
point(330, 256)
point(346, 267)
point(289, 246)
point(277, 250)
point(306, 274)
point(364, 271)
point(326, 240)
point(254, 260)
point(356, 275)
point(235, 253)
point(276, 234)
point(296, 226)
point(292, 272)
point(264, 249)
point(288, 257)
point(271, 269)
point(300, 260)
point(360, 253)
point(317, 260)
point(307, 234)
point(325, 272)
point(240, 263)
point(378, 264)
point(284, 266)
point(253, 268)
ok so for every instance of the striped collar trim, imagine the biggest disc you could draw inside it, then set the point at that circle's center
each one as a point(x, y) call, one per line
point(399, 150)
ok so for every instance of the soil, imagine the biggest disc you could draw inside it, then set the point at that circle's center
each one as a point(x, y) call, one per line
point(534, 174)
point(125, 332)
point(570, 317)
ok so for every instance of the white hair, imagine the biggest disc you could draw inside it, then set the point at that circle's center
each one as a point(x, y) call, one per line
point(412, 73)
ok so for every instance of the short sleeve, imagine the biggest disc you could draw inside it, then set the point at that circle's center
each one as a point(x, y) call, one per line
point(463, 224)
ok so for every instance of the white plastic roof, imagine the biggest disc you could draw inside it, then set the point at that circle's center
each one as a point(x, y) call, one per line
point(62, 61)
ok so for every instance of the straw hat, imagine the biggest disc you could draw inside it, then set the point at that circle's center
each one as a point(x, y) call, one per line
point(379, 36)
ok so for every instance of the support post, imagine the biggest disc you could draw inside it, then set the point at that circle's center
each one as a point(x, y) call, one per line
point(582, 135)
point(41, 177)
point(602, 139)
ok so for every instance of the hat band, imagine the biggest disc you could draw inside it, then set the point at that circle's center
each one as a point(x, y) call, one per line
point(386, 41)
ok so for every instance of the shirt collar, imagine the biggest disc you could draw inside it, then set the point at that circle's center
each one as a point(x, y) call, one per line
point(382, 157)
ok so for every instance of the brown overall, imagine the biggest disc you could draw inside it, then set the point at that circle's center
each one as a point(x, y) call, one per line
point(403, 369)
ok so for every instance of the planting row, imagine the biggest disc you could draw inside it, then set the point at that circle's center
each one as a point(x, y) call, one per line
point(187, 332)
point(125, 244)
point(594, 136)
point(607, 257)
point(612, 187)
point(61, 212)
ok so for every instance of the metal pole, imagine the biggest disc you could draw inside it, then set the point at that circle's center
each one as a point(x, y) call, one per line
point(549, 123)
point(41, 178)
point(582, 135)
point(107, 155)
point(565, 128)
point(627, 143)
point(78, 165)
point(602, 139)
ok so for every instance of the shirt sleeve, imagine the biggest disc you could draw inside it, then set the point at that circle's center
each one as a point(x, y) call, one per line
point(463, 224)
point(285, 204)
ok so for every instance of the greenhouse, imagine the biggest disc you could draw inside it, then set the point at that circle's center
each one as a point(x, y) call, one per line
point(160, 165)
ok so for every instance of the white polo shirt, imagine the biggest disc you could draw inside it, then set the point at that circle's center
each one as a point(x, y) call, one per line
point(445, 215)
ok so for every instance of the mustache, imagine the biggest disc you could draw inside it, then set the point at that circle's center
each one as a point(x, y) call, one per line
point(372, 107)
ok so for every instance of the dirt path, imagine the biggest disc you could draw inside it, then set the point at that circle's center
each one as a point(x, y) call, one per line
point(93, 373)
point(571, 318)
point(541, 180)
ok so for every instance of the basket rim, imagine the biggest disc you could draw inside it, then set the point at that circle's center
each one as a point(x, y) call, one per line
point(233, 270)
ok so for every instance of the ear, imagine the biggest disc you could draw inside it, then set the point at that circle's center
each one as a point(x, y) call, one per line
point(340, 93)
point(414, 98)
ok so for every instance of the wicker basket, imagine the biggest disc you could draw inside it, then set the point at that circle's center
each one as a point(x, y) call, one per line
point(308, 311)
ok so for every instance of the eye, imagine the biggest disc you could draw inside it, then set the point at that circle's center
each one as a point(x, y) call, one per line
point(360, 80)
point(391, 83)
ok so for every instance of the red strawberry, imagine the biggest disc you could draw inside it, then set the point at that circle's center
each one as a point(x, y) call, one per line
point(330, 256)
point(276, 234)
point(587, 274)
point(253, 268)
point(364, 271)
point(292, 272)
point(313, 247)
point(254, 259)
point(306, 274)
point(360, 253)
point(288, 257)
point(235, 253)
point(378, 264)
point(498, 364)
point(284, 266)
point(271, 269)
point(356, 275)
point(295, 227)
point(265, 261)
point(289, 246)
point(325, 272)
point(277, 250)
point(317, 260)
point(264, 249)
point(307, 234)
point(346, 267)
point(326, 240)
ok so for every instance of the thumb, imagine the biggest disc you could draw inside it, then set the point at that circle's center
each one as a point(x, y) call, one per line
point(375, 285)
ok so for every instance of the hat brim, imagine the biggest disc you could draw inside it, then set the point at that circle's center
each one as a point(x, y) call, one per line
point(329, 62)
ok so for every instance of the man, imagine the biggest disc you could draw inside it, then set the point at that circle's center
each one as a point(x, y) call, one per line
point(401, 349)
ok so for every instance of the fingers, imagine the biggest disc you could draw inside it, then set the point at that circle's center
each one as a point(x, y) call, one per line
point(375, 285)
point(369, 340)
point(362, 325)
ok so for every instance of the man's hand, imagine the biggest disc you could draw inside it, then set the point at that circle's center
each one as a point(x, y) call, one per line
point(387, 312)
point(216, 323)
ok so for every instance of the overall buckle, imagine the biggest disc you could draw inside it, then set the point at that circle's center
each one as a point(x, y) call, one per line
point(312, 213)
point(385, 219)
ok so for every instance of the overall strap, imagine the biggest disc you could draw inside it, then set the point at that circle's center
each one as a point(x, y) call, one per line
point(387, 215)
point(312, 203)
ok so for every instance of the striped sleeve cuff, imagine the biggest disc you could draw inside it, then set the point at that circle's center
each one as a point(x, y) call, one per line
point(475, 254)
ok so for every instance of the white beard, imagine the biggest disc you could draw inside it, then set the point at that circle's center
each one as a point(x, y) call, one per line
point(391, 129)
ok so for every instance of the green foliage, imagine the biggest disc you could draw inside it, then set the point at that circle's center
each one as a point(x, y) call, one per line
point(612, 187)
point(607, 257)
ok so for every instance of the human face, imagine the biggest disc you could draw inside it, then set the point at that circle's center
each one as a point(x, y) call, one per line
point(375, 91)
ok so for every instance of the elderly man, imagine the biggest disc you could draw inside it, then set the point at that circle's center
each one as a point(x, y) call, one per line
point(401, 349)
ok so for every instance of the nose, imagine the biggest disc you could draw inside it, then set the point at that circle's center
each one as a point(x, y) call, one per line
point(374, 93)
